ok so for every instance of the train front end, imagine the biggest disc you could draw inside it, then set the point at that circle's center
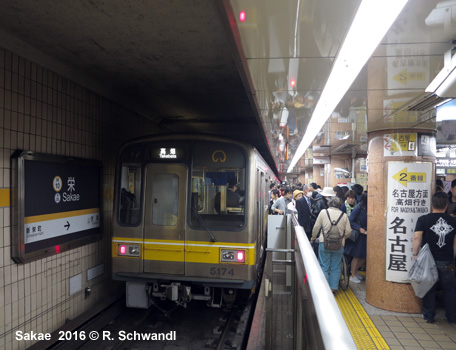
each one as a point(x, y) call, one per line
point(186, 221)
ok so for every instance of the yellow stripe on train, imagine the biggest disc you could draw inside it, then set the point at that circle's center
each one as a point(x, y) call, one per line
point(185, 251)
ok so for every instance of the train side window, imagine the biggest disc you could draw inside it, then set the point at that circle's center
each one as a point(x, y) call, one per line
point(130, 189)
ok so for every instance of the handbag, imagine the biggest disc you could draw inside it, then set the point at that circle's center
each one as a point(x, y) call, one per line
point(354, 235)
point(423, 274)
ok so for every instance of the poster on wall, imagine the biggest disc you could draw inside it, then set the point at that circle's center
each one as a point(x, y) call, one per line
point(408, 198)
point(361, 178)
point(56, 205)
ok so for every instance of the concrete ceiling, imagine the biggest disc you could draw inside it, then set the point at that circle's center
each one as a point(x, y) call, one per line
point(192, 66)
point(169, 60)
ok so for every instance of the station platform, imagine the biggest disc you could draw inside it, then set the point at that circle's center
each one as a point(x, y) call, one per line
point(371, 328)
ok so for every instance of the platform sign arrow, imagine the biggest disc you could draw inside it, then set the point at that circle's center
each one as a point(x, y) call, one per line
point(404, 76)
point(403, 177)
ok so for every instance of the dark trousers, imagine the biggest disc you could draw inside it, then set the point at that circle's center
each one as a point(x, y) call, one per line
point(447, 280)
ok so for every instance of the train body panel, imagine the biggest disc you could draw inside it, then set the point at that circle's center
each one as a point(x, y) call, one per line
point(179, 220)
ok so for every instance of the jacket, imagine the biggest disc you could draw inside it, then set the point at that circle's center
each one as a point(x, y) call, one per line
point(305, 215)
point(323, 222)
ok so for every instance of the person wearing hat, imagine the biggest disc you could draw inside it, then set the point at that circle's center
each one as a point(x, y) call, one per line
point(321, 200)
point(330, 260)
point(297, 194)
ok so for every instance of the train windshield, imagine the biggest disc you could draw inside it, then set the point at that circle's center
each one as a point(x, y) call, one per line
point(218, 195)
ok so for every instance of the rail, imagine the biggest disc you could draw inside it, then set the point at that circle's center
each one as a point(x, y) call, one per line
point(313, 318)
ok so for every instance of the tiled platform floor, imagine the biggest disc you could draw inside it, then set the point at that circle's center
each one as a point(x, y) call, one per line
point(408, 331)
point(399, 330)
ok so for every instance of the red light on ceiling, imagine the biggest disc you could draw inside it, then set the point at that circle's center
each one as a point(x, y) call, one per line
point(242, 16)
point(123, 249)
point(57, 249)
point(292, 83)
point(240, 256)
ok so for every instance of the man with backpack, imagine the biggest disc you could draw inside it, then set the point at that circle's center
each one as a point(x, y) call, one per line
point(332, 227)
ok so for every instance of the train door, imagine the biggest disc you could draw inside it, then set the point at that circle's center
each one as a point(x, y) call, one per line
point(164, 218)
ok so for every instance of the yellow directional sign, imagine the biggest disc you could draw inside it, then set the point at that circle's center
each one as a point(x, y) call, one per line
point(403, 76)
point(403, 177)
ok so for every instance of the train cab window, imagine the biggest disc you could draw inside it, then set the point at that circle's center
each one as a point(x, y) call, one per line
point(198, 190)
point(218, 195)
point(130, 189)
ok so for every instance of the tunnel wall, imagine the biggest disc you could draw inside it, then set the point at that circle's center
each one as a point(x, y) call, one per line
point(41, 111)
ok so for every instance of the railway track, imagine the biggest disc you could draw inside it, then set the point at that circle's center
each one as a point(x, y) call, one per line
point(195, 327)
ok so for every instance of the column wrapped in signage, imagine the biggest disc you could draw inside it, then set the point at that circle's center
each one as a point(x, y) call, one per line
point(408, 197)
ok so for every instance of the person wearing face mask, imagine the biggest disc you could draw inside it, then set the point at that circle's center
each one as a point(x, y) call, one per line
point(303, 207)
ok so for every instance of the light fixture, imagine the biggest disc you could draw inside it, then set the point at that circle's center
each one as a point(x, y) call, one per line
point(342, 170)
point(446, 111)
point(372, 21)
point(444, 84)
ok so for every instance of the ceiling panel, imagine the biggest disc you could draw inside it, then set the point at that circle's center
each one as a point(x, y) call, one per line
point(290, 49)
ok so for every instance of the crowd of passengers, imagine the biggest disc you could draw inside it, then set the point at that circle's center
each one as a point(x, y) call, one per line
point(317, 209)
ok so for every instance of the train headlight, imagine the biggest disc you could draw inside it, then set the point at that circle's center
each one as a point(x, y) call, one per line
point(129, 250)
point(236, 256)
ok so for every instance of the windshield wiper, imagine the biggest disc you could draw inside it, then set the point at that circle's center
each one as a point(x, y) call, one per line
point(203, 223)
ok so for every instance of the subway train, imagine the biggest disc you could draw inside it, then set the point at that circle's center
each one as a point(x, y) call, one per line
point(189, 219)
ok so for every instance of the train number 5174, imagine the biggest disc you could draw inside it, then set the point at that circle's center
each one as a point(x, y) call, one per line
point(221, 271)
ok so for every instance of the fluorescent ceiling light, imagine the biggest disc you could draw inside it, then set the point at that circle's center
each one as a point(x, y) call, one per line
point(443, 74)
point(370, 25)
point(446, 111)
point(444, 84)
point(341, 170)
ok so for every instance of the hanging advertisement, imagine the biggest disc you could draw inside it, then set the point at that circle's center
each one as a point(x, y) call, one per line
point(427, 145)
point(56, 204)
point(408, 197)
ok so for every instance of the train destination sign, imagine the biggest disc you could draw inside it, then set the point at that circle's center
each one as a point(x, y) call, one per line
point(167, 153)
point(56, 206)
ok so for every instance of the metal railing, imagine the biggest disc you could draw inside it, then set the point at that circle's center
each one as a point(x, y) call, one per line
point(301, 311)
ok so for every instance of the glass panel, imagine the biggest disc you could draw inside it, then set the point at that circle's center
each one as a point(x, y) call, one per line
point(165, 199)
point(198, 191)
point(218, 186)
point(130, 193)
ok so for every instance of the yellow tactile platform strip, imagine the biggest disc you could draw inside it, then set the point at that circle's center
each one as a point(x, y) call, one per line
point(362, 329)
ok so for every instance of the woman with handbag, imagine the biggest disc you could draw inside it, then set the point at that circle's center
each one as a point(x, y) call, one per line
point(358, 222)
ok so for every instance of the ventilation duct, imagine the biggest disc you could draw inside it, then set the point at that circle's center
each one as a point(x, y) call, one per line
point(424, 103)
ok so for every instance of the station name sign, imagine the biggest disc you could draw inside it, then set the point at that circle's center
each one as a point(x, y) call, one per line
point(56, 204)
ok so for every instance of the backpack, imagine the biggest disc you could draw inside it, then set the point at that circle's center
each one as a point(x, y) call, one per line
point(333, 238)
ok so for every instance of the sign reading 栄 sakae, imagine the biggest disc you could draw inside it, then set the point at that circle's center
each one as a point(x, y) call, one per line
point(57, 206)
